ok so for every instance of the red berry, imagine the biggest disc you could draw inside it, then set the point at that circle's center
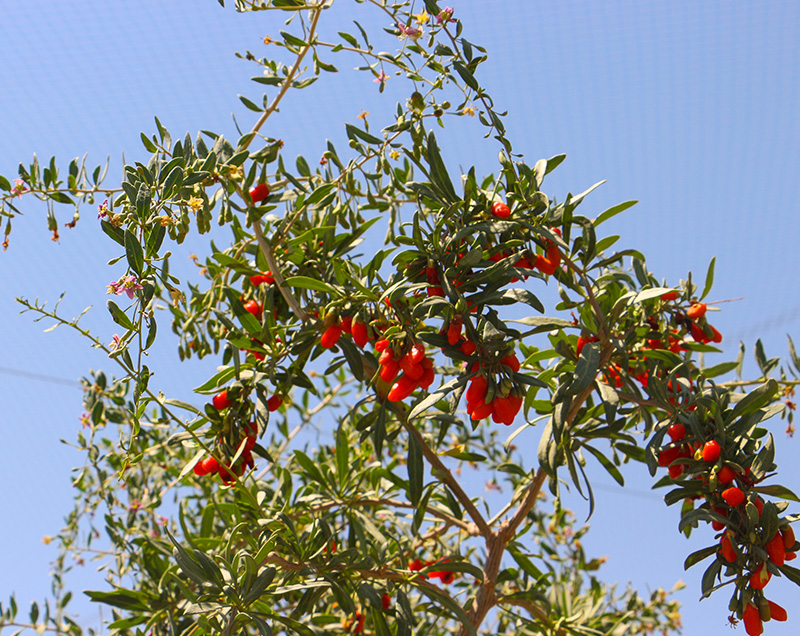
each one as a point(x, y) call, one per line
point(728, 553)
point(347, 324)
point(259, 193)
point(255, 308)
point(733, 496)
point(711, 451)
point(454, 332)
point(726, 475)
point(752, 620)
point(199, 469)
point(360, 334)
point(676, 432)
point(416, 565)
point(480, 410)
point(776, 612)
point(209, 465)
point(401, 389)
point(386, 601)
point(511, 361)
point(330, 337)
point(670, 296)
point(760, 577)
point(262, 279)
point(696, 311)
point(675, 471)
point(220, 400)
point(668, 455)
point(775, 548)
point(500, 210)
point(274, 403)
point(476, 392)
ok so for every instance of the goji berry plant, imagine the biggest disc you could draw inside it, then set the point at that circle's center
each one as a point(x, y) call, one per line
point(395, 307)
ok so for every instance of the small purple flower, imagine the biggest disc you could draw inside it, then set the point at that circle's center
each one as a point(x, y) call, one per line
point(126, 284)
point(382, 78)
point(102, 209)
point(409, 31)
point(445, 16)
point(19, 188)
point(115, 342)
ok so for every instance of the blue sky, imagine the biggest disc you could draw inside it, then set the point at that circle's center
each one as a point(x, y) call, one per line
point(690, 108)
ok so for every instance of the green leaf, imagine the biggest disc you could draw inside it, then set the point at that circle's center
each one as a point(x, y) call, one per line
point(791, 573)
point(585, 369)
point(133, 250)
point(439, 175)
point(123, 599)
point(434, 397)
point(607, 464)
point(416, 468)
point(354, 132)
point(781, 492)
point(114, 232)
point(545, 322)
point(754, 400)
point(709, 278)
point(719, 369)
point(305, 282)
point(699, 555)
point(613, 211)
point(466, 75)
point(119, 316)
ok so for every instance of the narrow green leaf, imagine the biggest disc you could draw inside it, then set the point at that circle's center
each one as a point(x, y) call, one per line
point(119, 316)
point(613, 211)
point(709, 278)
point(607, 464)
point(133, 250)
point(305, 282)
point(416, 469)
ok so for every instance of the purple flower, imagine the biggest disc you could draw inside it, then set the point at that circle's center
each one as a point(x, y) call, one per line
point(382, 78)
point(409, 31)
point(445, 16)
point(126, 284)
point(102, 209)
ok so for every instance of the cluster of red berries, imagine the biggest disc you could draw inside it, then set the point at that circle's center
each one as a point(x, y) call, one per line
point(335, 327)
point(417, 369)
point(487, 396)
point(445, 576)
point(210, 465)
point(546, 263)
point(728, 499)
point(701, 329)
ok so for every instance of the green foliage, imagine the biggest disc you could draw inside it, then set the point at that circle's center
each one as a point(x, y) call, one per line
point(231, 516)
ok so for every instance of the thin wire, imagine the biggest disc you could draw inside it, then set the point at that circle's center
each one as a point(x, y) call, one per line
point(40, 376)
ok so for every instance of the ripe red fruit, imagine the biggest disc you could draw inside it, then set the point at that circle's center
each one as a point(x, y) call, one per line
point(360, 334)
point(389, 370)
point(199, 469)
point(582, 342)
point(511, 361)
point(330, 337)
point(479, 410)
point(259, 193)
point(696, 311)
point(274, 403)
point(401, 389)
point(220, 400)
point(500, 210)
point(670, 296)
point(254, 308)
point(775, 549)
point(668, 455)
point(760, 577)
point(386, 601)
point(416, 565)
point(726, 475)
point(209, 465)
point(752, 620)
point(477, 389)
point(733, 496)
point(347, 324)
point(728, 553)
point(711, 451)
point(776, 612)
point(262, 279)
point(454, 332)
point(382, 345)
point(675, 471)
point(676, 432)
